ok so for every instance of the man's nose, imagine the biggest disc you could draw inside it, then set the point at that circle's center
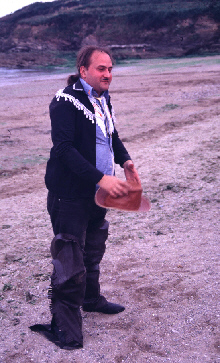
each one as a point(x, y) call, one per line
point(107, 74)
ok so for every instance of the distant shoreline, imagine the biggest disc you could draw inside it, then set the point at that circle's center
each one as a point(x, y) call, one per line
point(12, 75)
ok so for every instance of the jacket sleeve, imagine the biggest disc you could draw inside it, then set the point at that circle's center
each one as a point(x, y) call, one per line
point(63, 133)
point(120, 152)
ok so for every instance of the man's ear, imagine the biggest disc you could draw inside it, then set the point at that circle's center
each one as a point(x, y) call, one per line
point(82, 72)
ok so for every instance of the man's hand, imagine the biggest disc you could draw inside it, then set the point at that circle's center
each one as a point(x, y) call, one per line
point(130, 171)
point(114, 186)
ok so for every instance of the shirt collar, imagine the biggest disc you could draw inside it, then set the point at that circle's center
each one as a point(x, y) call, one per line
point(91, 92)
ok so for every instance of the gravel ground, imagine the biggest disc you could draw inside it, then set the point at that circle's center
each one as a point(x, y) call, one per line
point(163, 265)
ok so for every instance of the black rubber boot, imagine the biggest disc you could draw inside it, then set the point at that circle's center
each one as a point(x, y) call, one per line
point(67, 292)
point(101, 305)
point(94, 251)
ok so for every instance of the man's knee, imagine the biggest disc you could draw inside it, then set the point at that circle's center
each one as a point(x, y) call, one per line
point(67, 260)
point(95, 244)
point(97, 235)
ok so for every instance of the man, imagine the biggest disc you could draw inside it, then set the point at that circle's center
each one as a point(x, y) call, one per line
point(85, 147)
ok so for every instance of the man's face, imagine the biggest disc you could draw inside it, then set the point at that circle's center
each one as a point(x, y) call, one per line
point(98, 75)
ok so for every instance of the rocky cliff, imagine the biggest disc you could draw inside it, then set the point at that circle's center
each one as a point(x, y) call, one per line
point(51, 33)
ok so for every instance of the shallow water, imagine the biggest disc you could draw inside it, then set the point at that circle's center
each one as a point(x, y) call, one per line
point(131, 66)
point(10, 76)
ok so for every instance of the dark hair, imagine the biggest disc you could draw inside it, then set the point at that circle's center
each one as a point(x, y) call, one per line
point(72, 79)
point(84, 59)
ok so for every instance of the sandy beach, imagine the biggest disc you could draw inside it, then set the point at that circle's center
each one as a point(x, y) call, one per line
point(163, 265)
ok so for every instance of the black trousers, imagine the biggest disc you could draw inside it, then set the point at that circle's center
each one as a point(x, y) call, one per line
point(80, 231)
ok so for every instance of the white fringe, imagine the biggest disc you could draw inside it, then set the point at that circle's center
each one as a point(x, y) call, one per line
point(76, 103)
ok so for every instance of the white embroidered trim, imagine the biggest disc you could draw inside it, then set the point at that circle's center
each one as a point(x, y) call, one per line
point(109, 116)
point(113, 115)
point(76, 103)
point(99, 117)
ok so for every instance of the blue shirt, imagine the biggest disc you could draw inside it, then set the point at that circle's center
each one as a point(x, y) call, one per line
point(104, 151)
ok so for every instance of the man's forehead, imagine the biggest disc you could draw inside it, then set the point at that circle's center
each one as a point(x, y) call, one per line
point(101, 58)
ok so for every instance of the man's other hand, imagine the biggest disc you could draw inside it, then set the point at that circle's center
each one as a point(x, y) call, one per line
point(130, 171)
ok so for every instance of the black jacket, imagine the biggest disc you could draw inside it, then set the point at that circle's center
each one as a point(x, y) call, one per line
point(71, 169)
